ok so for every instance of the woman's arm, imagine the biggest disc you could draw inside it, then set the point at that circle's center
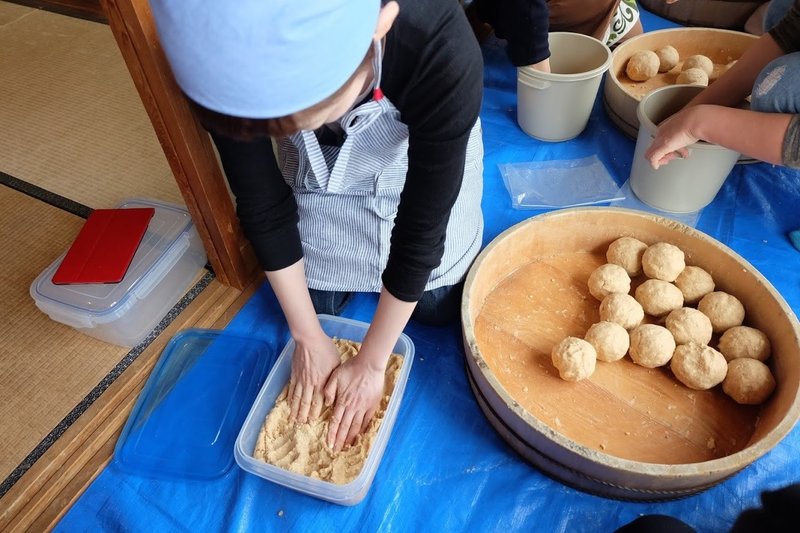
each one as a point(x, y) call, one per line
point(315, 356)
point(267, 212)
point(524, 24)
point(265, 203)
point(357, 385)
point(436, 83)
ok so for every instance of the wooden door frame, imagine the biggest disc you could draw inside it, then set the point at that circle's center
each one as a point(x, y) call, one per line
point(186, 144)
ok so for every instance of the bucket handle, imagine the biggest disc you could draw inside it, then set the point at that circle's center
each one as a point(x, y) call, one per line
point(536, 83)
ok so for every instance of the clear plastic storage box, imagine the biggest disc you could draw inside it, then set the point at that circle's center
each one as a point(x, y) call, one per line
point(168, 260)
point(186, 418)
point(347, 494)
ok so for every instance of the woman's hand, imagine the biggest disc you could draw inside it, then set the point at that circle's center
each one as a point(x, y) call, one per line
point(542, 66)
point(356, 387)
point(315, 356)
point(312, 363)
point(673, 137)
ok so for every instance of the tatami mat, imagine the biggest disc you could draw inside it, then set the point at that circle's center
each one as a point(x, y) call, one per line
point(72, 128)
point(71, 120)
point(45, 368)
point(12, 12)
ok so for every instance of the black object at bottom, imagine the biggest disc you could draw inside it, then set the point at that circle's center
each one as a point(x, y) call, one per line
point(656, 523)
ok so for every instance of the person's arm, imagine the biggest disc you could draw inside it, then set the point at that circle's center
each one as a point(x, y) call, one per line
point(267, 212)
point(757, 135)
point(440, 108)
point(440, 103)
point(736, 84)
point(542, 66)
point(707, 117)
point(357, 385)
point(265, 204)
point(524, 24)
point(315, 356)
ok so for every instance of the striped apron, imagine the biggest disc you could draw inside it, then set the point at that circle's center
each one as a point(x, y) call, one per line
point(347, 199)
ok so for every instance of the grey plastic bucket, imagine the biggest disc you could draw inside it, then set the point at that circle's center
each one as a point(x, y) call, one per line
point(555, 106)
point(682, 185)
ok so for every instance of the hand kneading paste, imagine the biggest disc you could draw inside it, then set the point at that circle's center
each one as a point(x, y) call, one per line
point(302, 448)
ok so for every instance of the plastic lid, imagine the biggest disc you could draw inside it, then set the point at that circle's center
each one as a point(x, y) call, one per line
point(166, 226)
point(191, 409)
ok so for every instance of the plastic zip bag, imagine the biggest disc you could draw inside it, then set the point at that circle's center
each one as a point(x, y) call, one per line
point(561, 183)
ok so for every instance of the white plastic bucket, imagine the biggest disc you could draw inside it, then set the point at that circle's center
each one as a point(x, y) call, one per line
point(555, 106)
point(682, 185)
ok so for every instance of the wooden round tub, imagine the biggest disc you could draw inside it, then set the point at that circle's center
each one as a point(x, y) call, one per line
point(621, 95)
point(626, 432)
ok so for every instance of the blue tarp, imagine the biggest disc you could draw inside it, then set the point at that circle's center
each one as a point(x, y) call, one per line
point(445, 468)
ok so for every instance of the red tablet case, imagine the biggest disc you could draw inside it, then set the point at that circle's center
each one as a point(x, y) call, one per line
point(105, 246)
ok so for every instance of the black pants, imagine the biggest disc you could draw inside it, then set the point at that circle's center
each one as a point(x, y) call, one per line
point(437, 307)
point(779, 513)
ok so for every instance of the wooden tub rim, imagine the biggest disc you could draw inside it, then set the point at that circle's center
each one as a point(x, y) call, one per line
point(728, 464)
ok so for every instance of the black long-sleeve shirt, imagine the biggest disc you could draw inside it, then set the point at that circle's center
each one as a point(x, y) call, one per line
point(523, 23)
point(433, 74)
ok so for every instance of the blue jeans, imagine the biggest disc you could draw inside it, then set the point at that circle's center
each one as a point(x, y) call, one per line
point(437, 307)
point(776, 10)
point(775, 88)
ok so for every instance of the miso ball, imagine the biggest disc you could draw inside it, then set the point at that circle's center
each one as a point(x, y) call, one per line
point(724, 310)
point(658, 297)
point(622, 309)
point(574, 358)
point(610, 340)
point(663, 261)
point(651, 345)
point(689, 325)
point(668, 58)
point(744, 342)
point(607, 279)
point(692, 76)
point(642, 65)
point(627, 252)
point(748, 381)
point(699, 61)
point(694, 283)
point(698, 366)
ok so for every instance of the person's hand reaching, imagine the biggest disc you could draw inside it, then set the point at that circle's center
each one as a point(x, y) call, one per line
point(312, 363)
point(542, 66)
point(356, 388)
point(673, 137)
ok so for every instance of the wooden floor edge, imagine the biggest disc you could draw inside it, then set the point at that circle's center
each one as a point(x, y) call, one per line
point(36, 501)
point(83, 9)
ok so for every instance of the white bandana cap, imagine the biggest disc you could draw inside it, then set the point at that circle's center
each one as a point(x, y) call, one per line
point(263, 58)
